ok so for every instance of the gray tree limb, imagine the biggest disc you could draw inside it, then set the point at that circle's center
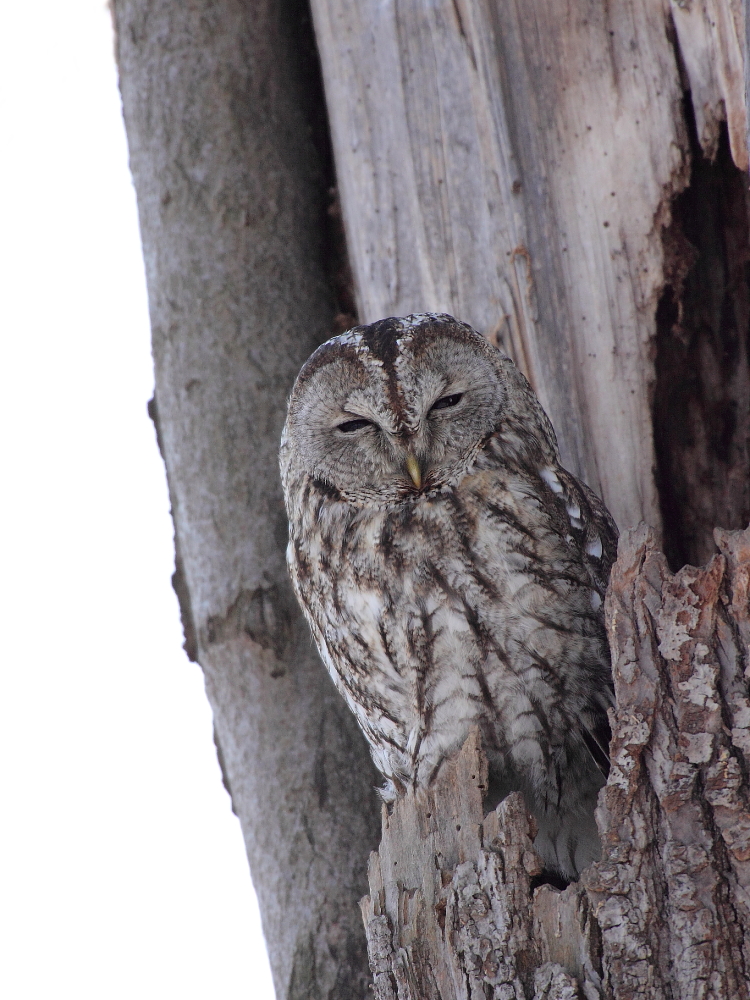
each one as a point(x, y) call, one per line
point(231, 199)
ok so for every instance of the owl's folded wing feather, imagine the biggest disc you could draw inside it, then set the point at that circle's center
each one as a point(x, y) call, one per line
point(583, 520)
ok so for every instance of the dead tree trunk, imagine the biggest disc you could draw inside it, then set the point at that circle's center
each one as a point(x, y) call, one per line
point(453, 912)
point(515, 164)
point(571, 179)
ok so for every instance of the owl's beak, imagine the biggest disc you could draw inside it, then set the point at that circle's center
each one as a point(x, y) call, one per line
point(414, 471)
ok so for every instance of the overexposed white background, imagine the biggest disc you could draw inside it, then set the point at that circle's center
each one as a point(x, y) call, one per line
point(123, 869)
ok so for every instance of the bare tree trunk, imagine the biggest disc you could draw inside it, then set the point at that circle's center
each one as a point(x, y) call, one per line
point(571, 179)
point(232, 202)
point(515, 164)
point(453, 911)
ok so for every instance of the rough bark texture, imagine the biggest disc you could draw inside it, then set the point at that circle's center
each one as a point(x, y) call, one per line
point(453, 912)
point(458, 889)
point(520, 180)
point(671, 892)
point(232, 202)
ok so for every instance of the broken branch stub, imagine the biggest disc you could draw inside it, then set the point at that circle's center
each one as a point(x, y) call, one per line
point(453, 912)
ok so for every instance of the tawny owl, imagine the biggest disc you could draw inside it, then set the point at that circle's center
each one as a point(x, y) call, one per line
point(451, 570)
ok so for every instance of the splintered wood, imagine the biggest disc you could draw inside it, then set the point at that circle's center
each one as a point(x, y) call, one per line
point(453, 913)
point(519, 180)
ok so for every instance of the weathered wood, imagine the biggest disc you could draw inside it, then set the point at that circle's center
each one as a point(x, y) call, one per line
point(711, 36)
point(513, 164)
point(232, 200)
point(451, 909)
point(453, 913)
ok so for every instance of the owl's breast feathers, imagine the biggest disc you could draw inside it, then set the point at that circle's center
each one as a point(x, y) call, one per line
point(482, 604)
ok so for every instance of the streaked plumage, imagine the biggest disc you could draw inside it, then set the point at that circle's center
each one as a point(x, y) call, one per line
point(451, 570)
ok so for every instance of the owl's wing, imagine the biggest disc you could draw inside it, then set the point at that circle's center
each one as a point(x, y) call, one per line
point(588, 529)
point(583, 520)
point(597, 528)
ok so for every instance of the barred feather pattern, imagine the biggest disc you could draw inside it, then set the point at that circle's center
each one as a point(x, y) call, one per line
point(474, 598)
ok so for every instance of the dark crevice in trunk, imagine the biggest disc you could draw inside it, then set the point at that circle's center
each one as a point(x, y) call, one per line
point(335, 256)
point(702, 393)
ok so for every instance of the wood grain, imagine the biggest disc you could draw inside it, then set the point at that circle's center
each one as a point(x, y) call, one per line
point(711, 36)
point(513, 164)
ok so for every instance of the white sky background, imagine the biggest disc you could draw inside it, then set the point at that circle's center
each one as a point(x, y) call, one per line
point(123, 872)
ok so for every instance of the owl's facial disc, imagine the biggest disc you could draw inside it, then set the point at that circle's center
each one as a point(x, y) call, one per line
point(404, 439)
point(383, 429)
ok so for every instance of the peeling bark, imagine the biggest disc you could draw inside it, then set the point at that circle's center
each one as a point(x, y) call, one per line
point(671, 891)
point(455, 910)
point(452, 912)
point(711, 36)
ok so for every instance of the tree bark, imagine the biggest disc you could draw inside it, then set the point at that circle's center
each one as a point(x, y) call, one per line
point(232, 202)
point(572, 181)
point(453, 912)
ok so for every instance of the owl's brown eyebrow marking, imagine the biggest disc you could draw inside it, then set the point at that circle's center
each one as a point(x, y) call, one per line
point(382, 341)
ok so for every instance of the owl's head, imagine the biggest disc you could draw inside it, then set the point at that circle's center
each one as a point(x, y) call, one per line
point(401, 408)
